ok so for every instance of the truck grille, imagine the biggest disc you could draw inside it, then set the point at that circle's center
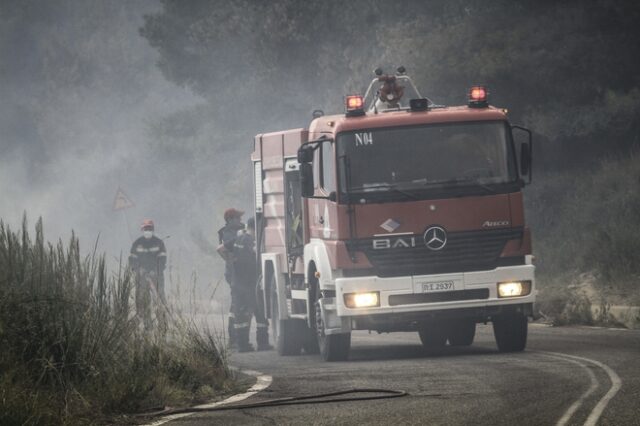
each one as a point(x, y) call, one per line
point(464, 251)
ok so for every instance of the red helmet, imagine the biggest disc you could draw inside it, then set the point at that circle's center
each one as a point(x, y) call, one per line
point(147, 224)
point(231, 213)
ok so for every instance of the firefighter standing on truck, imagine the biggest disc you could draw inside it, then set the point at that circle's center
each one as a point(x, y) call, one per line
point(227, 237)
point(147, 259)
point(245, 286)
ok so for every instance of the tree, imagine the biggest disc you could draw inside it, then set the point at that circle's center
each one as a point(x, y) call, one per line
point(274, 62)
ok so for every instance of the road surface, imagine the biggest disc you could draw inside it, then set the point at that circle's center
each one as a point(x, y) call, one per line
point(567, 375)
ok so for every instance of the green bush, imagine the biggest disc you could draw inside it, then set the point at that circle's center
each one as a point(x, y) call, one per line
point(587, 222)
point(72, 349)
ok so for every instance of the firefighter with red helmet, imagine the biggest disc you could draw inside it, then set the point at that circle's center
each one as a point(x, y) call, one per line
point(147, 259)
point(237, 248)
point(227, 237)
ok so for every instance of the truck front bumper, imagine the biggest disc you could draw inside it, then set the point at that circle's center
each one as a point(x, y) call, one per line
point(412, 298)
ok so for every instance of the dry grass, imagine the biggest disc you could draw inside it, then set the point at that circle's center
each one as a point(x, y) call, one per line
point(73, 351)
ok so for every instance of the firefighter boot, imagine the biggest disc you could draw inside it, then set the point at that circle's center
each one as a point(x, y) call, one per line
point(242, 334)
point(262, 337)
point(231, 329)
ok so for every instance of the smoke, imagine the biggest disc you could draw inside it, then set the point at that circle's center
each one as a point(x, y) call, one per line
point(88, 106)
point(80, 93)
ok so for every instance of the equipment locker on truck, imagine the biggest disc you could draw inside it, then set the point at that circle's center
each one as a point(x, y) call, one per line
point(403, 216)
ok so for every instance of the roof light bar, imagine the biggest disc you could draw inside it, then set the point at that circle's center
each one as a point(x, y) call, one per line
point(478, 97)
point(354, 105)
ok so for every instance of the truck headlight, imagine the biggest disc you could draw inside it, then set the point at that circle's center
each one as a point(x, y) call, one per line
point(362, 300)
point(514, 288)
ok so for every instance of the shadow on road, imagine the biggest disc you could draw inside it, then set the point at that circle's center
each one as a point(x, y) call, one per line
point(403, 352)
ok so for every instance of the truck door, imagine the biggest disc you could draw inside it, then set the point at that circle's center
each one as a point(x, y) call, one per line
point(293, 208)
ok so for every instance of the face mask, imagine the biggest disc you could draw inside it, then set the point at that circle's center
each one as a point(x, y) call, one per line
point(147, 234)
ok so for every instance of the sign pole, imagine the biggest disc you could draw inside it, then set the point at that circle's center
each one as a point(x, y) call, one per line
point(126, 221)
point(123, 202)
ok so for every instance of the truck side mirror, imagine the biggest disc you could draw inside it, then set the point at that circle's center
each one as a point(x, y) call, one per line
point(306, 178)
point(305, 154)
point(526, 160)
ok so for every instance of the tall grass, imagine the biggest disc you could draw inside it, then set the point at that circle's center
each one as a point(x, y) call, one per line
point(586, 229)
point(73, 352)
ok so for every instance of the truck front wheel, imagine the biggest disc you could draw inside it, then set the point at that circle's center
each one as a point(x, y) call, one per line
point(462, 332)
point(510, 332)
point(285, 331)
point(333, 347)
point(433, 336)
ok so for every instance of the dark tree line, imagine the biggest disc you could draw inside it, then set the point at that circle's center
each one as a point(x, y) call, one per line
point(569, 70)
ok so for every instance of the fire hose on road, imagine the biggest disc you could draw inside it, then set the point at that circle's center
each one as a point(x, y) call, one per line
point(296, 400)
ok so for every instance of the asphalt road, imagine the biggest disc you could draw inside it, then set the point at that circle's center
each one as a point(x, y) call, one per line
point(567, 375)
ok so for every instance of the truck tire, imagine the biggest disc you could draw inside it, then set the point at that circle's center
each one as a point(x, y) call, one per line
point(309, 340)
point(285, 331)
point(510, 332)
point(332, 347)
point(462, 332)
point(432, 336)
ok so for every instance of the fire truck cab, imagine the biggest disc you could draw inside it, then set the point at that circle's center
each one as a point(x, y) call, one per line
point(400, 216)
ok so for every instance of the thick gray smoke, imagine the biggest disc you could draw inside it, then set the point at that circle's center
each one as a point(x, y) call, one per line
point(81, 94)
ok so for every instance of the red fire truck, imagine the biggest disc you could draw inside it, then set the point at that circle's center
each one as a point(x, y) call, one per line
point(397, 215)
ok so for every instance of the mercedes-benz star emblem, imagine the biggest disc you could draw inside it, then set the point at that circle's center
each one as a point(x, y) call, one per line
point(435, 237)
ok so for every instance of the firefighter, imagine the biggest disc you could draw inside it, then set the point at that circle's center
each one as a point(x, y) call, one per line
point(248, 303)
point(227, 237)
point(147, 259)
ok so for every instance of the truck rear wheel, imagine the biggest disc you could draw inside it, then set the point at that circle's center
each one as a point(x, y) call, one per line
point(333, 347)
point(510, 332)
point(462, 332)
point(285, 331)
point(433, 336)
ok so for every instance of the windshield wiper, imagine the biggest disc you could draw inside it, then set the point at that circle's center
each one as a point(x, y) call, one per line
point(389, 186)
point(479, 184)
point(454, 182)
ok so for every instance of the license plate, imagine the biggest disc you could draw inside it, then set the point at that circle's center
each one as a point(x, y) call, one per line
point(438, 286)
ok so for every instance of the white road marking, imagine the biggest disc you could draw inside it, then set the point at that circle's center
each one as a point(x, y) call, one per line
point(574, 407)
point(263, 381)
point(616, 384)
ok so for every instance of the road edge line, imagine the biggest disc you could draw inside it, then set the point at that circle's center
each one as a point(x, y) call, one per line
point(578, 402)
point(616, 384)
point(263, 381)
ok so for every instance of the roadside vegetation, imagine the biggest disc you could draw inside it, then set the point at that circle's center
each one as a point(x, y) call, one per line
point(72, 350)
point(587, 239)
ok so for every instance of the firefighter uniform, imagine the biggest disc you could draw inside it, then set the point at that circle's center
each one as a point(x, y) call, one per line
point(148, 258)
point(227, 236)
point(244, 288)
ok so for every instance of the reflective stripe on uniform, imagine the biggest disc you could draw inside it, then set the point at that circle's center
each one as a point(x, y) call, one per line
point(261, 325)
point(241, 325)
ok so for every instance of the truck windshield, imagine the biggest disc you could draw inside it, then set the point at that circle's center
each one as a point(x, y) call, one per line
point(405, 161)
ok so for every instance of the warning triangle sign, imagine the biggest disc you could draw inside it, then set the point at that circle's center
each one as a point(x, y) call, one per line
point(122, 200)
